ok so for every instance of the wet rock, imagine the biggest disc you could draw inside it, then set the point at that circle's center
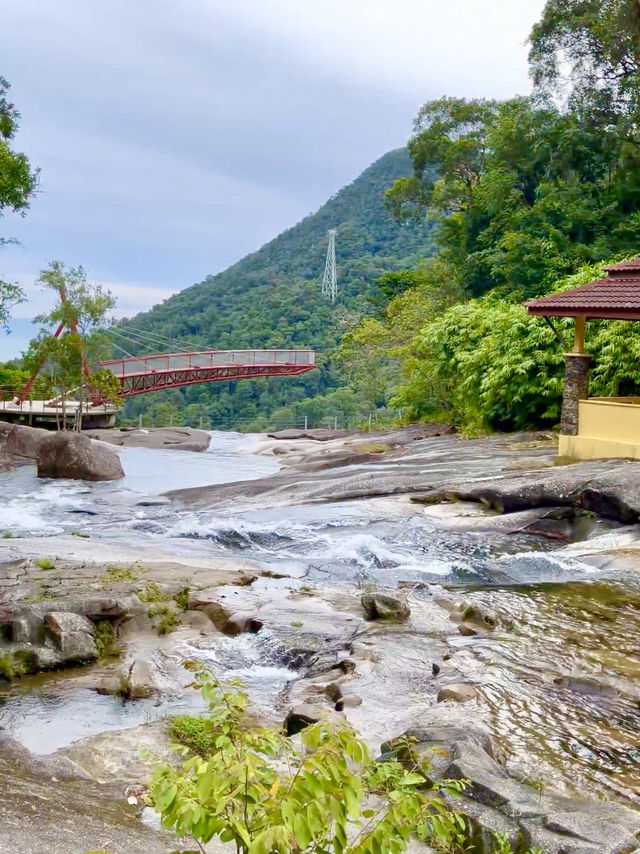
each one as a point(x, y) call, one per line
point(348, 701)
point(221, 609)
point(457, 693)
point(138, 681)
point(610, 489)
point(6, 446)
point(561, 523)
point(302, 716)
point(21, 630)
point(74, 455)
point(477, 618)
point(383, 606)
point(47, 767)
point(73, 635)
point(586, 685)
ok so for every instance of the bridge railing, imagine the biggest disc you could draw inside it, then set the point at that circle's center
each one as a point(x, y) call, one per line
point(207, 359)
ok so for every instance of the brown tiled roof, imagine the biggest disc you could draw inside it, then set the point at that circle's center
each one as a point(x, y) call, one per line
point(624, 266)
point(616, 298)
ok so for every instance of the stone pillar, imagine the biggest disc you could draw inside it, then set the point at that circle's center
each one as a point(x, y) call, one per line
point(576, 388)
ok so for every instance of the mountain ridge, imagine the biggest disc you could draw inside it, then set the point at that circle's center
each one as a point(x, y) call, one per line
point(272, 298)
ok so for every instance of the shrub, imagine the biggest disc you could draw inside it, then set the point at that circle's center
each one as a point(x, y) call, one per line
point(252, 787)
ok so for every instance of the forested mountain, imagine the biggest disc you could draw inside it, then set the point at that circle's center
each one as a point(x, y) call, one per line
point(272, 298)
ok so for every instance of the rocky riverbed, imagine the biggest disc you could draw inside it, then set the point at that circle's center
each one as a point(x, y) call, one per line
point(468, 592)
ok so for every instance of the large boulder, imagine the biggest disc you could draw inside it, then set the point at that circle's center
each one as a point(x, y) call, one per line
point(72, 455)
point(74, 635)
point(6, 446)
point(27, 441)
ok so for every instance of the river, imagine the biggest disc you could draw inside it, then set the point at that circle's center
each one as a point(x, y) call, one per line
point(559, 690)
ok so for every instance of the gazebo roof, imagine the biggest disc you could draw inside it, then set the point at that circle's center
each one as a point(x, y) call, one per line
point(615, 298)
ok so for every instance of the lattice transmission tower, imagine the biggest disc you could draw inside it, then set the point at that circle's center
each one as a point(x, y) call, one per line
point(330, 278)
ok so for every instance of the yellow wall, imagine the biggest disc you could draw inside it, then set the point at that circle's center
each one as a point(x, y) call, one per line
point(607, 427)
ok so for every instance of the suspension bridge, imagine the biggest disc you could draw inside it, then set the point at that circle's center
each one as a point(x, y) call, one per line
point(148, 372)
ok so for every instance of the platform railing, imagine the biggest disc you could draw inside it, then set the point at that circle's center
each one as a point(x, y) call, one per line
point(137, 365)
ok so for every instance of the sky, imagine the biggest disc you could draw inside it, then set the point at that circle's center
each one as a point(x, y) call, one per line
point(175, 136)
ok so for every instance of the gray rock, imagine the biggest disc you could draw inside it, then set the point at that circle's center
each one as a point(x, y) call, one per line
point(47, 767)
point(478, 615)
point(21, 630)
point(73, 635)
point(460, 692)
point(27, 441)
point(73, 455)
point(348, 701)
point(382, 606)
point(302, 716)
point(6, 446)
point(610, 489)
point(138, 681)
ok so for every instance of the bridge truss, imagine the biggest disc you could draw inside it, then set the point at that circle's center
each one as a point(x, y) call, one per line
point(142, 374)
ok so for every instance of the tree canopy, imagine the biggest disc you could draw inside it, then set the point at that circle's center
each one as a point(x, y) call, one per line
point(18, 182)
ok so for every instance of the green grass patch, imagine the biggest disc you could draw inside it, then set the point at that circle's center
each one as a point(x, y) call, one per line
point(120, 573)
point(106, 640)
point(152, 593)
point(182, 599)
point(45, 563)
point(198, 734)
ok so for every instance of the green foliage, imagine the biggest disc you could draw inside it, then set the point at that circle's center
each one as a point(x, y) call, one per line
point(252, 787)
point(106, 384)
point(152, 593)
point(106, 639)
point(521, 192)
point(588, 50)
point(18, 182)
point(162, 607)
point(182, 599)
point(45, 563)
point(121, 573)
point(8, 670)
point(199, 735)
point(81, 308)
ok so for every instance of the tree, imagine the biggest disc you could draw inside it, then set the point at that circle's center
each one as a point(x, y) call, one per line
point(250, 786)
point(80, 311)
point(588, 52)
point(18, 182)
point(521, 192)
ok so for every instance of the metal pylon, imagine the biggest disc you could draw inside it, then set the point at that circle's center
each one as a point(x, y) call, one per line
point(330, 278)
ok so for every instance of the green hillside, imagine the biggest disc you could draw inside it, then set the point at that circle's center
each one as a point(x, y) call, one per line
point(272, 298)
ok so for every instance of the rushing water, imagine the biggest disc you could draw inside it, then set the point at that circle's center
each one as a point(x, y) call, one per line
point(558, 688)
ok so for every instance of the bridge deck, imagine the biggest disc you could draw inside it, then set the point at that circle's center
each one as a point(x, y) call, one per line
point(140, 374)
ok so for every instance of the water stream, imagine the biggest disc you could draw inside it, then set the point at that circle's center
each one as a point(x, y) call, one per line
point(559, 689)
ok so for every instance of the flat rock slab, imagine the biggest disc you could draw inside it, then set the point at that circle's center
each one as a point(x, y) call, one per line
point(173, 438)
point(608, 488)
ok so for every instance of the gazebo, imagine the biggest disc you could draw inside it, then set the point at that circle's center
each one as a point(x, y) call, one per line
point(596, 427)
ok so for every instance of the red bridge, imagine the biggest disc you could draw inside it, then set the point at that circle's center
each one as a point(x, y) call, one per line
point(140, 374)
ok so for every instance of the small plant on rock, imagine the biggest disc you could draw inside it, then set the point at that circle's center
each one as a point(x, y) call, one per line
point(252, 787)
point(45, 563)
point(106, 639)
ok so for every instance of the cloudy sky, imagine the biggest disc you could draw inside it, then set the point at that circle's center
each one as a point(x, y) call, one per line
point(175, 136)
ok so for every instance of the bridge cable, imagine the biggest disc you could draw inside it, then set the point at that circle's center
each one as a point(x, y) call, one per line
point(161, 338)
point(141, 355)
